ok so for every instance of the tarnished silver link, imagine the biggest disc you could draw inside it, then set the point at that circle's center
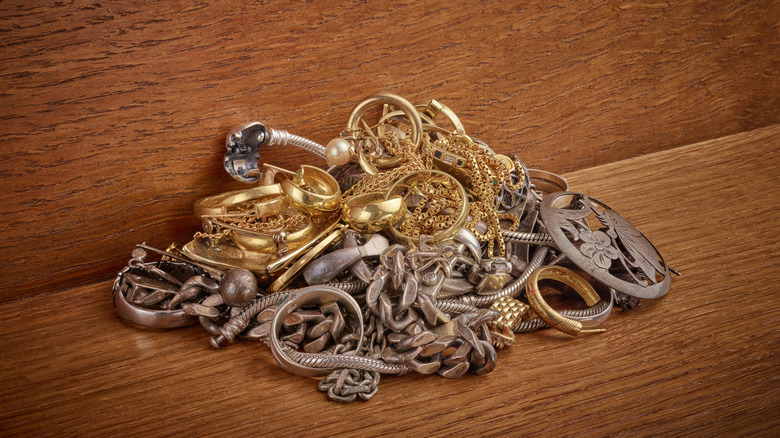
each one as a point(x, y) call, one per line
point(346, 385)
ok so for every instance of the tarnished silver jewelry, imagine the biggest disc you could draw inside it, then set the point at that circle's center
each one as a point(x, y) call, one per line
point(617, 254)
point(326, 267)
point(290, 361)
point(243, 143)
point(143, 291)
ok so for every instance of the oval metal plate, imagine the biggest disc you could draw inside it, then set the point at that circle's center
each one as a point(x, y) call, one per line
point(615, 253)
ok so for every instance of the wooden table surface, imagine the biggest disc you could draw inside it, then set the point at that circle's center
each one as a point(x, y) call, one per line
point(703, 360)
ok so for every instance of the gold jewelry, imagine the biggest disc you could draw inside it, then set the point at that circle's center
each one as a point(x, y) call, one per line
point(440, 206)
point(342, 150)
point(512, 313)
point(293, 270)
point(547, 313)
point(312, 191)
point(371, 212)
point(435, 108)
point(484, 174)
point(227, 255)
point(282, 262)
point(280, 236)
point(220, 204)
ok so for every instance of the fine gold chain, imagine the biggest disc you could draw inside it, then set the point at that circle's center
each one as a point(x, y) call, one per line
point(487, 177)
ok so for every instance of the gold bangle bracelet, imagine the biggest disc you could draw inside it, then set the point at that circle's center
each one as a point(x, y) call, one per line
point(550, 315)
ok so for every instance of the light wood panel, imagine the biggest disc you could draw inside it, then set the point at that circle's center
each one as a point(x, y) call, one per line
point(701, 361)
point(113, 115)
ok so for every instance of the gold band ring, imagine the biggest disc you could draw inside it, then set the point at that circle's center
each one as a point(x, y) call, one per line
point(371, 212)
point(218, 205)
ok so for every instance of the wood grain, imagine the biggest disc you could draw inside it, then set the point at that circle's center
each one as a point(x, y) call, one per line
point(701, 361)
point(113, 115)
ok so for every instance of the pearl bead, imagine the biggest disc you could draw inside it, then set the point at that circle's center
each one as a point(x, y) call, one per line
point(338, 152)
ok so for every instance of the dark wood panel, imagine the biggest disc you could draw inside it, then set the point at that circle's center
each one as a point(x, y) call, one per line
point(701, 361)
point(112, 116)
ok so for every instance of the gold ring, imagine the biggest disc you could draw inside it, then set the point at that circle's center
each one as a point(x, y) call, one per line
point(371, 212)
point(416, 126)
point(547, 313)
point(218, 205)
point(312, 191)
point(408, 185)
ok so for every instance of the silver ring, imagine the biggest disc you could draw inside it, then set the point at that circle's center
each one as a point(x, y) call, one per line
point(319, 294)
point(158, 319)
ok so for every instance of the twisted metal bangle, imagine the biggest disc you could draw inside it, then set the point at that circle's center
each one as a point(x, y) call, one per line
point(530, 238)
point(336, 361)
point(513, 289)
point(282, 138)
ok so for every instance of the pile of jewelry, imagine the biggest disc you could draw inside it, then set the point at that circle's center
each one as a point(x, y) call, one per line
point(418, 250)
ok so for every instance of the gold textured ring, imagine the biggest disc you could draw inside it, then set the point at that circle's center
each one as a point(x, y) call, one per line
point(547, 313)
point(219, 205)
point(404, 187)
point(371, 212)
point(312, 191)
